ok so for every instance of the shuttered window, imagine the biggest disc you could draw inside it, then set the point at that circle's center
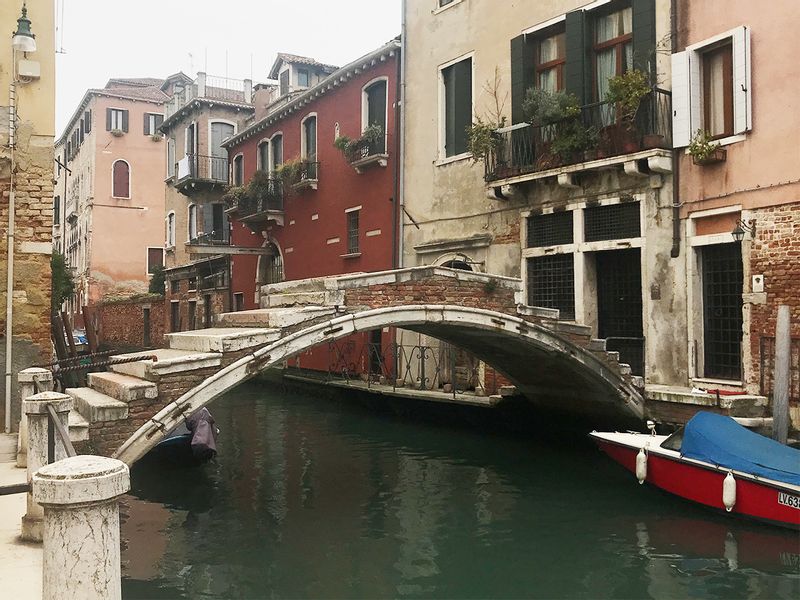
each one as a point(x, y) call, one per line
point(116, 119)
point(277, 151)
point(155, 258)
point(310, 139)
point(152, 122)
point(263, 157)
point(457, 83)
point(375, 97)
point(87, 121)
point(121, 179)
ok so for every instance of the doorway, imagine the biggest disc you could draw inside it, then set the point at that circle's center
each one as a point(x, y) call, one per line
point(723, 281)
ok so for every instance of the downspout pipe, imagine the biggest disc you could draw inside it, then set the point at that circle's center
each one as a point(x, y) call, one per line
point(675, 252)
point(402, 138)
point(396, 168)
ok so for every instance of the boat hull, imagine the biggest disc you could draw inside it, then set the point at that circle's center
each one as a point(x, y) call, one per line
point(700, 482)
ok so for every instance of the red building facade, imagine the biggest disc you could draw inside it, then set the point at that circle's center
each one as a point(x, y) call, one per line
point(317, 208)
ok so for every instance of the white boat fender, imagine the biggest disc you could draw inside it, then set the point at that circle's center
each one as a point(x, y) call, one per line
point(729, 492)
point(641, 466)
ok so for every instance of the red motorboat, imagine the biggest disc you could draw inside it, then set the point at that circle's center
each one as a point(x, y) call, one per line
point(716, 462)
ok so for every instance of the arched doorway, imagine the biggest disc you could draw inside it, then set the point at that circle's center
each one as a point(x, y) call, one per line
point(270, 266)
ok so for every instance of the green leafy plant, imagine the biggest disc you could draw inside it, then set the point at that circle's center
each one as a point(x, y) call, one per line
point(234, 195)
point(572, 138)
point(372, 133)
point(63, 285)
point(157, 281)
point(289, 171)
point(483, 139)
point(627, 91)
point(542, 107)
point(559, 116)
point(702, 147)
point(261, 185)
point(342, 143)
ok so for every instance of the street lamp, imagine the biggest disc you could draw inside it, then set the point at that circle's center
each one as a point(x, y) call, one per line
point(743, 227)
point(23, 39)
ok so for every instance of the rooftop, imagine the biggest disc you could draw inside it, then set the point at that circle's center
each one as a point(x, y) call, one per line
point(284, 57)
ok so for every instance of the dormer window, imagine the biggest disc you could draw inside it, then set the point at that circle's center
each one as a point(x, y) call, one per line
point(303, 78)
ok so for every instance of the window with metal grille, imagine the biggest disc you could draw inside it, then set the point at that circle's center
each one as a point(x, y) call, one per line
point(352, 232)
point(611, 222)
point(551, 283)
point(723, 282)
point(550, 230)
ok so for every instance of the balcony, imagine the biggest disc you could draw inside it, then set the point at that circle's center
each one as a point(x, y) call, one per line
point(365, 152)
point(210, 87)
point(255, 204)
point(196, 172)
point(306, 176)
point(595, 139)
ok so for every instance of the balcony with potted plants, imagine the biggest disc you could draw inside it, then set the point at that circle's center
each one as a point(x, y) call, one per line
point(368, 150)
point(261, 200)
point(561, 138)
point(298, 174)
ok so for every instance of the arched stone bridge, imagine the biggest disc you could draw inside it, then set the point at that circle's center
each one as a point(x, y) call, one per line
point(555, 364)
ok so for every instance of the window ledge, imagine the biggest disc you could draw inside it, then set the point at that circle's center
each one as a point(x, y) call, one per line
point(728, 382)
point(451, 159)
point(726, 141)
point(350, 255)
point(440, 9)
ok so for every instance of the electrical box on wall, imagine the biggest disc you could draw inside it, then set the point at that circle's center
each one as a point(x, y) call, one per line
point(29, 69)
point(758, 283)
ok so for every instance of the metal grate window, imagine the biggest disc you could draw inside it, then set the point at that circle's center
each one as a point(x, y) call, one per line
point(550, 230)
point(551, 283)
point(723, 281)
point(611, 222)
point(352, 232)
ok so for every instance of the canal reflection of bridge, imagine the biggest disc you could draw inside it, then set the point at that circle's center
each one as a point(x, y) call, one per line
point(555, 364)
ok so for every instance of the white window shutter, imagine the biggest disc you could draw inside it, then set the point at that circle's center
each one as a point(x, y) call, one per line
point(742, 108)
point(681, 100)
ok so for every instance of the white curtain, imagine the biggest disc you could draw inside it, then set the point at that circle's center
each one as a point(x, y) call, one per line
point(716, 95)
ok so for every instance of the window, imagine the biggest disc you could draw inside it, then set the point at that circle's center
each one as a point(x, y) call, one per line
point(374, 113)
point(263, 156)
point(192, 222)
point(551, 283)
point(192, 283)
point(155, 258)
point(284, 82)
point(192, 315)
point(309, 150)
point(550, 230)
point(237, 173)
point(219, 222)
point(170, 230)
point(445, 3)
point(174, 286)
point(613, 48)
point(87, 121)
point(457, 110)
point(174, 316)
point(550, 58)
point(711, 87)
point(81, 132)
point(717, 73)
point(352, 232)
point(57, 210)
point(171, 157)
point(116, 119)
point(277, 151)
point(238, 301)
point(302, 78)
point(121, 179)
point(152, 122)
point(612, 222)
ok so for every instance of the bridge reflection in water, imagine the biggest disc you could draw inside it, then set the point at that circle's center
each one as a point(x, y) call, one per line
point(313, 496)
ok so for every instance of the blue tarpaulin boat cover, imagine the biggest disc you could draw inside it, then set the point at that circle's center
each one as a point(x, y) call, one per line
point(720, 440)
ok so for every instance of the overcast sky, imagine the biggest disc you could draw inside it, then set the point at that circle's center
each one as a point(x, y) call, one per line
point(155, 38)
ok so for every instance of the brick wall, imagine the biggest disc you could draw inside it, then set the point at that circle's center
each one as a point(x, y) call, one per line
point(121, 322)
point(775, 253)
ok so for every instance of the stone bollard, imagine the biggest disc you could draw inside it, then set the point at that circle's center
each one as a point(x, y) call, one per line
point(27, 382)
point(35, 407)
point(81, 526)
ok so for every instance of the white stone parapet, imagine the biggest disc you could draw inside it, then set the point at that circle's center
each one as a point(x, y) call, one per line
point(81, 526)
point(35, 407)
point(28, 380)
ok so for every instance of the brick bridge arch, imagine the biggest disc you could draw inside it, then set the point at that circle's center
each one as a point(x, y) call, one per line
point(539, 360)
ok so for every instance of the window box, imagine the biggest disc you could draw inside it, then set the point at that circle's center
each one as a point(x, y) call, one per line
point(156, 137)
point(717, 156)
point(117, 132)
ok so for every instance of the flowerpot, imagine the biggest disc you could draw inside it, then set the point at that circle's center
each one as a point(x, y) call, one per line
point(654, 140)
point(117, 132)
point(717, 156)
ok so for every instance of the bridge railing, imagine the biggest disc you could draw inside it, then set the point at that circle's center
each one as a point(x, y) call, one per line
point(443, 368)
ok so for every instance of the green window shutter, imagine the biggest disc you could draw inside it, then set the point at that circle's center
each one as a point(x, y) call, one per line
point(458, 106)
point(147, 124)
point(87, 120)
point(108, 119)
point(159, 121)
point(125, 121)
point(576, 64)
point(523, 73)
point(644, 35)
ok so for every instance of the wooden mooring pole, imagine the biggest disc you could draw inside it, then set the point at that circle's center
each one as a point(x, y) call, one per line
point(780, 387)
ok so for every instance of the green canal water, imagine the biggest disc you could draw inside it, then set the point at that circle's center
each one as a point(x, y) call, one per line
point(313, 497)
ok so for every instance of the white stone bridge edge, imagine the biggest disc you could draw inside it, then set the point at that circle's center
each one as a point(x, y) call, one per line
point(151, 432)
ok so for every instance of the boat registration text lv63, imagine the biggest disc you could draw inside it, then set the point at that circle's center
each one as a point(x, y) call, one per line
point(789, 500)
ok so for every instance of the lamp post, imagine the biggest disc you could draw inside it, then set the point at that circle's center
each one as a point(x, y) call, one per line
point(23, 39)
point(743, 227)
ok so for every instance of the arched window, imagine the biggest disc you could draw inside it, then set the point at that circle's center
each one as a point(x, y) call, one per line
point(373, 113)
point(170, 230)
point(121, 179)
point(277, 151)
point(263, 156)
point(270, 266)
point(237, 176)
point(309, 140)
point(192, 222)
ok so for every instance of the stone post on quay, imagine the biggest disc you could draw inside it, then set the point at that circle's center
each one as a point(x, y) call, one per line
point(35, 407)
point(80, 496)
point(29, 382)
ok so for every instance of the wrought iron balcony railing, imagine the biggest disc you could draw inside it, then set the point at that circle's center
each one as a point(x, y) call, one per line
point(309, 171)
point(215, 238)
point(364, 148)
point(269, 201)
point(597, 133)
point(203, 168)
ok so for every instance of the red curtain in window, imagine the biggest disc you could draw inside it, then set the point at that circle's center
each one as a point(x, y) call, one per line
point(121, 180)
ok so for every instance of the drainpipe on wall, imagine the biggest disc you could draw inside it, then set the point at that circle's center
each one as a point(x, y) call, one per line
point(402, 128)
point(12, 122)
point(676, 179)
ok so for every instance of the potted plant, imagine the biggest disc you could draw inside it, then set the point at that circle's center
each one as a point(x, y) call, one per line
point(117, 132)
point(289, 172)
point(234, 195)
point(704, 150)
point(157, 137)
point(626, 92)
point(483, 140)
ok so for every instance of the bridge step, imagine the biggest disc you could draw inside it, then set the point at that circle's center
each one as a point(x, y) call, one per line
point(221, 339)
point(596, 345)
point(78, 427)
point(94, 406)
point(314, 284)
point(169, 361)
point(274, 317)
point(123, 387)
point(573, 328)
point(625, 369)
point(328, 298)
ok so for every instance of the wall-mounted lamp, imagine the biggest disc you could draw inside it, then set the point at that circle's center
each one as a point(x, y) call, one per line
point(23, 39)
point(743, 227)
